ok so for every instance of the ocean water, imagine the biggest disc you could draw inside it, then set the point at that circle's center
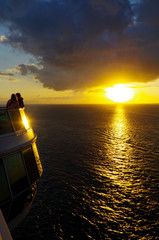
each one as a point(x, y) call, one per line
point(101, 173)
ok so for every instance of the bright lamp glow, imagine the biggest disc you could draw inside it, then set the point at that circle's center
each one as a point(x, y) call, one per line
point(25, 121)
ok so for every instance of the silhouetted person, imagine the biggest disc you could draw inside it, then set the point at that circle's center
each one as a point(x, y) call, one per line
point(20, 100)
point(13, 102)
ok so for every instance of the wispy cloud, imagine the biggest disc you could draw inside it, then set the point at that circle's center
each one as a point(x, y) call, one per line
point(3, 38)
point(6, 74)
point(151, 84)
point(12, 79)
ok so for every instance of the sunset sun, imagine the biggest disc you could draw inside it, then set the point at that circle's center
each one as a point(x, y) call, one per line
point(119, 93)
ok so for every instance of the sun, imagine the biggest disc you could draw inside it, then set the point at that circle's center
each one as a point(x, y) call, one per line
point(119, 93)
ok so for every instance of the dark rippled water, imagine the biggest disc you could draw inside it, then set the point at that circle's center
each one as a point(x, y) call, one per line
point(101, 173)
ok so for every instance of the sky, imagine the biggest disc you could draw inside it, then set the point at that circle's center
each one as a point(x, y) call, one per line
point(69, 52)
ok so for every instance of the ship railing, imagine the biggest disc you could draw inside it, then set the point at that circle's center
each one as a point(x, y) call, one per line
point(13, 121)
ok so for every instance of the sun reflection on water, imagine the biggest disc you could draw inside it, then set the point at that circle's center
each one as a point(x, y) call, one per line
point(119, 150)
point(123, 193)
point(116, 174)
point(119, 136)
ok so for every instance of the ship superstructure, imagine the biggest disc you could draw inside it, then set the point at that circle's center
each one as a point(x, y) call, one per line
point(20, 165)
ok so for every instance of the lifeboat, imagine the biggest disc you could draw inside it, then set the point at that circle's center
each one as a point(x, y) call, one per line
point(20, 166)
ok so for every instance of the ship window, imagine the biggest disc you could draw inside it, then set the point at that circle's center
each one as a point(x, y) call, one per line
point(4, 188)
point(17, 120)
point(16, 173)
point(30, 164)
point(5, 209)
point(5, 123)
point(19, 204)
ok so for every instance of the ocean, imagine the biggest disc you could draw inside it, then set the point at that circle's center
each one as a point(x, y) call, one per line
point(101, 173)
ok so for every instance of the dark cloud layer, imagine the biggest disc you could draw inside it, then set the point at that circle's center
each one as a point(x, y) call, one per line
point(83, 43)
point(6, 74)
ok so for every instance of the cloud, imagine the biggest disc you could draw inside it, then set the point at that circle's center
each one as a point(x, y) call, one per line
point(152, 84)
point(12, 79)
point(3, 38)
point(26, 69)
point(6, 74)
point(84, 43)
point(148, 12)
